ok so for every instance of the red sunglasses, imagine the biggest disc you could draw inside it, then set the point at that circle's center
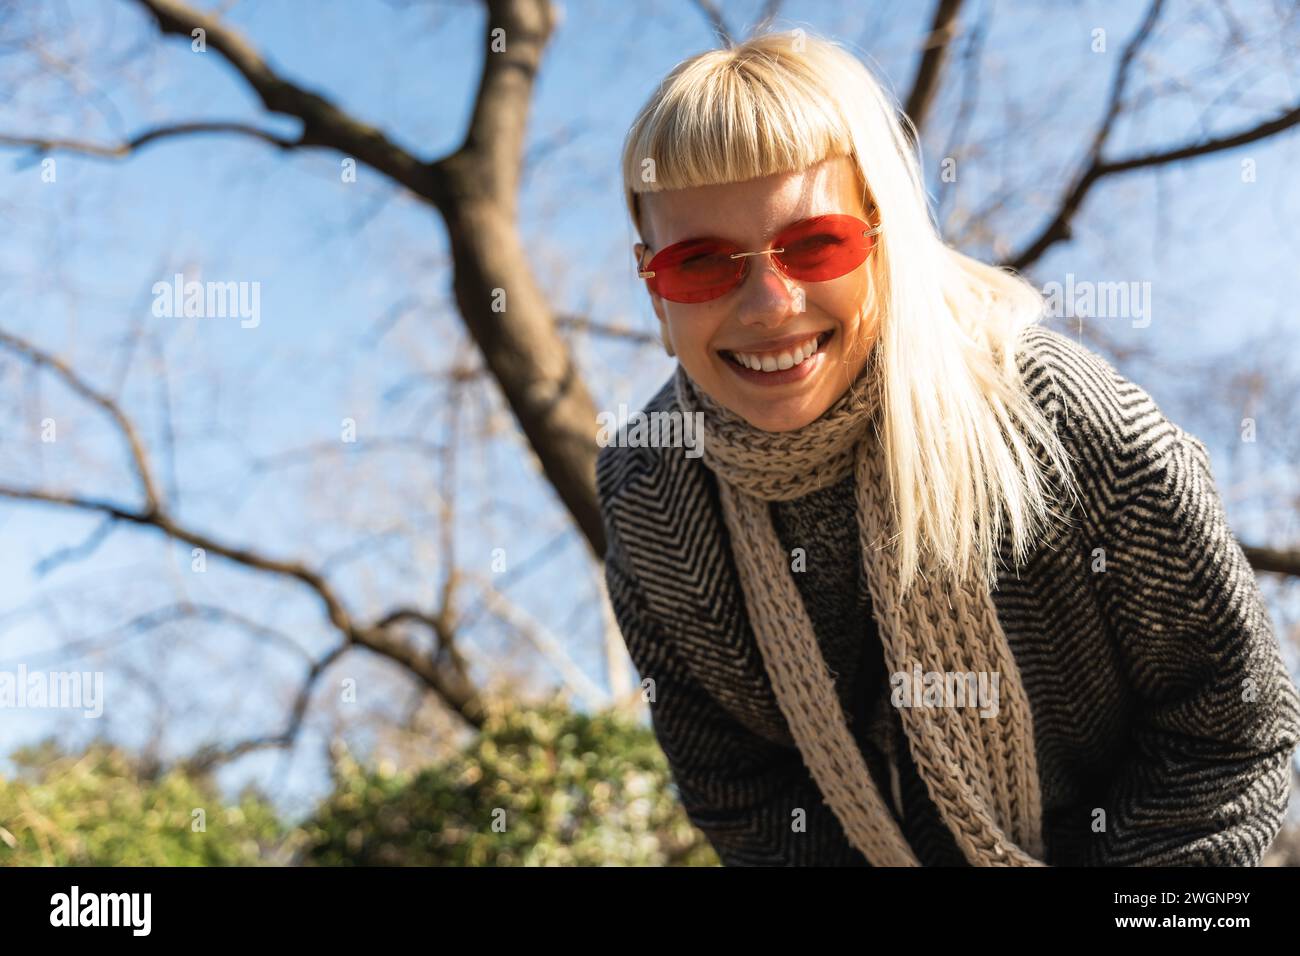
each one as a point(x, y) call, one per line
point(811, 250)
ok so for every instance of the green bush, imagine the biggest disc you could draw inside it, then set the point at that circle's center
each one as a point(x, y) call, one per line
point(103, 807)
point(542, 786)
point(539, 787)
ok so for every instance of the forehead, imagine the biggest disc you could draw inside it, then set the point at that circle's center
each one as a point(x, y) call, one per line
point(753, 211)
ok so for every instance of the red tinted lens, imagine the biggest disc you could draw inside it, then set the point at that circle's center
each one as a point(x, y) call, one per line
point(696, 270)
point(824, 247)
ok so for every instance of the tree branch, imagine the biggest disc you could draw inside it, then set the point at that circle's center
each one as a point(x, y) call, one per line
point(1097, 168)
point(547, 644)
point(209, 757)
point(717, 22)
point(1059, 228)
point(43, 359)
point(323, 123)
point(930, 68)
point(451, 686)
point(765, 17)
point(494, 142)
point(441, 674)
point(583, 324)
point(43, 144)
point(1276, 561)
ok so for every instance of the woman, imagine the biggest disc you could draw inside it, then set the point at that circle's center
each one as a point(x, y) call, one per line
point(943, 588)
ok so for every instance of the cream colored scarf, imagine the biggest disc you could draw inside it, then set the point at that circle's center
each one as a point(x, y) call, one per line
point(981, 772)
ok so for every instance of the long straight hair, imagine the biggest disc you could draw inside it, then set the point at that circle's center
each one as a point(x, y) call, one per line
point(957, 426)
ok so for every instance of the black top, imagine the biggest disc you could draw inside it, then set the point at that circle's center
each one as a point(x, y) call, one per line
point(833, 584)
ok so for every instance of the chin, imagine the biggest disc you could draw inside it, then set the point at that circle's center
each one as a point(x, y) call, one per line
point(775, 419)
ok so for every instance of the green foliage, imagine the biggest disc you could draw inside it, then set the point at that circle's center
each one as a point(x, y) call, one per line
point(102, 807)
point(542, 786)
point(539, 787)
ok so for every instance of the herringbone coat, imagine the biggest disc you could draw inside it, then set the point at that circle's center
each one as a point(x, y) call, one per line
point(1164, 717)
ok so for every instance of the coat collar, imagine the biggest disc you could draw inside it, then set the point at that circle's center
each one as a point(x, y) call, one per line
point(667, 514)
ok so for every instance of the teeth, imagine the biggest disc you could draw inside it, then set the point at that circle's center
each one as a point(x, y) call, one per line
point(777, 361)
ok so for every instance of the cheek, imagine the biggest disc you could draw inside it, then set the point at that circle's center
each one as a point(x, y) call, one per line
point(841, 299)
point(693, 326)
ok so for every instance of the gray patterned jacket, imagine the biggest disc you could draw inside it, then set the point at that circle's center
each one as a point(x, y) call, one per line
point(1157, 689)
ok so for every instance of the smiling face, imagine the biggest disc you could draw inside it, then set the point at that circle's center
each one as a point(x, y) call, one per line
point(809, 340)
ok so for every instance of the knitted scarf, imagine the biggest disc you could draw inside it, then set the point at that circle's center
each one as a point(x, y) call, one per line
point(981, 772)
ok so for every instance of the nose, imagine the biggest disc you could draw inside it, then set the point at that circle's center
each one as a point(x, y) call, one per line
point(768, 296)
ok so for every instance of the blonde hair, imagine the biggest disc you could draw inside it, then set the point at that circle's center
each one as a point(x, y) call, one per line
point(954, 415)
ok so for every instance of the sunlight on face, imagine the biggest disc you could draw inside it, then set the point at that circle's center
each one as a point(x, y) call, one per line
point(768, 313)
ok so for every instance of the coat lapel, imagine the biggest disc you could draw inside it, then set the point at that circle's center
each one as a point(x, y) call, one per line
point(680, 551)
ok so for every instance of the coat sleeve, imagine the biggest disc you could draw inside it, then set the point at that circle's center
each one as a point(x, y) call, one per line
point(1216, 715)
point(741, 790)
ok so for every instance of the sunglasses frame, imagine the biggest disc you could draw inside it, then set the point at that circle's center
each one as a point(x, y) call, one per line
point(870, 231)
